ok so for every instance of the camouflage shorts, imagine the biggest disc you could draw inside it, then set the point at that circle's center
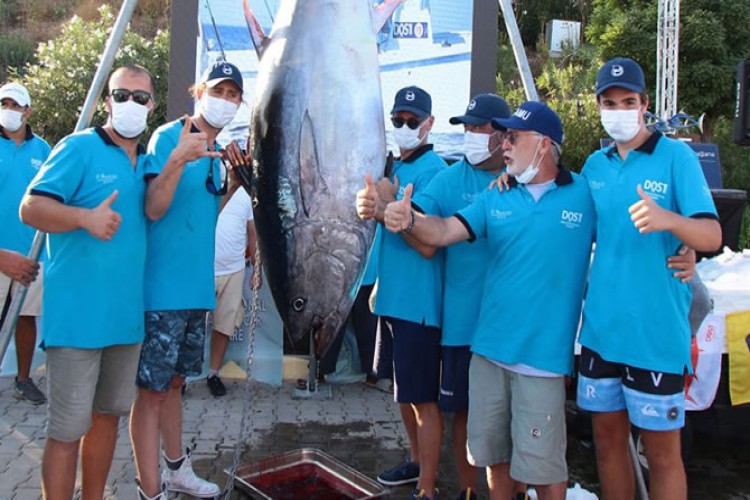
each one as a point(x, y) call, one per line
point(173, 347)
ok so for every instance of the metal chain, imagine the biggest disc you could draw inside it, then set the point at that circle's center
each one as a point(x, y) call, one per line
point(254, 321)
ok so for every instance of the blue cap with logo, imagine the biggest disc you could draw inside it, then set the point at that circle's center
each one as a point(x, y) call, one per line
point(221, 71)
point(482, 109)
point(620, 72)
point(414, 100)
point(535, 116)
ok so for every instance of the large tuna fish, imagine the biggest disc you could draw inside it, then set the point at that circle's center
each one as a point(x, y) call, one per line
point(316, 130)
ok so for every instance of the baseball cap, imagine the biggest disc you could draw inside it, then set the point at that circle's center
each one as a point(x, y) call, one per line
point(413, 99)
point(620, 72)
point(221, 71)
point(482, 109)
point(17, 92)
point(536, 116)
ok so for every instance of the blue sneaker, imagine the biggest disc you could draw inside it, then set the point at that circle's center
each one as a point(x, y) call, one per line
point(404, 473)
point(419, 494)
point(467, 494)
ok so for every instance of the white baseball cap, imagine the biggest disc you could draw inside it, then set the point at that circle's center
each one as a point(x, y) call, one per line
point(17, 92)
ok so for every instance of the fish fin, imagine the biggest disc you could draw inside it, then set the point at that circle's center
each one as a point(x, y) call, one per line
point(258, 37)
point(311, 183)
point(388, 170)
point(382, 13)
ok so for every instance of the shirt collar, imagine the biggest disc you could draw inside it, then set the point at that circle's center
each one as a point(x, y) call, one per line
point(563, 178)
point(417, 153)
point(109, 142)
point(29, 134)
point(647, 147)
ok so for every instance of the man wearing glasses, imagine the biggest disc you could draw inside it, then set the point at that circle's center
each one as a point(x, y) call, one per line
point(88, 196)
point(22, 152)
point(186, 184)
point(409, 297)
point(539, 237)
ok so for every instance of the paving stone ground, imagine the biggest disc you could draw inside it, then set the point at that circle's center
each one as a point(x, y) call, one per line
point(359, 426)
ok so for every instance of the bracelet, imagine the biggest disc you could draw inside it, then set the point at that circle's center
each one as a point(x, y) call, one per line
point(411, 223)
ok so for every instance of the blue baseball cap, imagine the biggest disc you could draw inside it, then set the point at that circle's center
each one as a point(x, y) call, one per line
point(221, 71)
point(536, 116)
point(620, 72)
point(414, 100)
point(482, 109)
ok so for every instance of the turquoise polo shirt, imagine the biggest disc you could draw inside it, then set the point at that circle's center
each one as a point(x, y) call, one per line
point(538, 261)
point(180, 262)
point(371, 270)
point(18, 166)
point(636, 312)
point(410, 287)
point(453, 189)
point(93, 289)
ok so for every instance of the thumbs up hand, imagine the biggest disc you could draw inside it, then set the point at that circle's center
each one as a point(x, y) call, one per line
point(102, 222)
point(398, 214)
point(367, 200)
point(647, 215)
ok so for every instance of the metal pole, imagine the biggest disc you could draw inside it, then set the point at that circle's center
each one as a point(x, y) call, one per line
point(515, 39)
point(84, 119)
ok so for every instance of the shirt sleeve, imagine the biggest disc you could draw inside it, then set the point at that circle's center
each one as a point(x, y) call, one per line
point(160, 147)
point(692, 195)
point(62, 173)
point(474, 216)
point(428, 200)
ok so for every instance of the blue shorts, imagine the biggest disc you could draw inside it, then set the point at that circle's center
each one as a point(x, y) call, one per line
point(173, 347)
point(655, 401)
point(416, 361)
point(454, 379)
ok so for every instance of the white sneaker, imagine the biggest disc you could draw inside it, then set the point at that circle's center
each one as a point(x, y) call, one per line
point(162, 495)
point(184, 480)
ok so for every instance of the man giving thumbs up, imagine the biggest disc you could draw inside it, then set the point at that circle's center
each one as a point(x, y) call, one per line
point(89, 197)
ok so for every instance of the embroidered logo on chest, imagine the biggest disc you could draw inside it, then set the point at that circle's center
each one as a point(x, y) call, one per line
point(571, 219)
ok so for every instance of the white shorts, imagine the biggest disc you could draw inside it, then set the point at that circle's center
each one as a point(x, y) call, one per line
point(32, 305)
point(230, 306)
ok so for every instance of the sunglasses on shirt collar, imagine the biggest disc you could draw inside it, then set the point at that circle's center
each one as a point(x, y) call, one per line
point(139, 96)
point(211, 185)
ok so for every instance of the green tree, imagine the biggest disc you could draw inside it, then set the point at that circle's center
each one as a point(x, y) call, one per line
point(710, 46)
point(64, 68)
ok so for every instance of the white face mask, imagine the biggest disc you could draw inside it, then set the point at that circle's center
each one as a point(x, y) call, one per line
point(476, 147)
point(217, 112)
point(621, 124)
point(11, 120)
point(129, 118)
point(406, 138)
point(527, 174)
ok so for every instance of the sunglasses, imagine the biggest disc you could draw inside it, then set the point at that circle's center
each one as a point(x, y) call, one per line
point(399, 122)
point(139, 96)
point(211, 185)
point(512, 135)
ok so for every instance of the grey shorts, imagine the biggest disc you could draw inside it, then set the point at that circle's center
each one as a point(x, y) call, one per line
point(173, 347)
point(518, 419)
point(82, 381)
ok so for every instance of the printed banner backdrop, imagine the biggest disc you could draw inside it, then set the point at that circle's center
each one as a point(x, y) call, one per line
point(425, 43)
point(738, 348)
point(708, 344)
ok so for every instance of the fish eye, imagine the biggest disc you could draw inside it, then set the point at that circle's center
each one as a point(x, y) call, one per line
point(298, 304)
